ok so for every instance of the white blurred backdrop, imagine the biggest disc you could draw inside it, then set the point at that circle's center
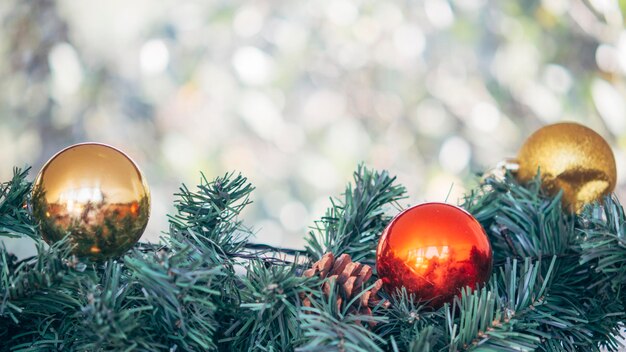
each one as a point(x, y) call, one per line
point(295, 94)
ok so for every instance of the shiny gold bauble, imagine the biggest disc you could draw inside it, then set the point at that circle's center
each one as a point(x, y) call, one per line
point(572, 158)
point(95, 194)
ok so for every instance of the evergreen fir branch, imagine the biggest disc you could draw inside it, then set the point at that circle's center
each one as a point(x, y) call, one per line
point(30, 279)
point(352, 224)
point(180, 290)
point(411, 325)
point(604, 231)
point(522, 221)
point(15, 220)
point(326, 326)
point(501, 318)
point(185, 293)
point(40, 297)
point(111, 318)
point(268, 316)
point(211, 212)
point(424, 341)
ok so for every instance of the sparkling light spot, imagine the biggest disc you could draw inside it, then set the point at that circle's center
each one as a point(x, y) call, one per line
point(248, 21)
point(485, 117)
point(253, 66)
point(455, 154)
point(610, 104)
point(154, 57)
point(439, 13)
point(67, 73)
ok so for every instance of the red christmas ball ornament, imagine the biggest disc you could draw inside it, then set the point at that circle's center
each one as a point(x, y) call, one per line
point(434, 250)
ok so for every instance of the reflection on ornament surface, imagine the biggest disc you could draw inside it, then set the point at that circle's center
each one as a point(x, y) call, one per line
point(433, 250)
point(97, 195)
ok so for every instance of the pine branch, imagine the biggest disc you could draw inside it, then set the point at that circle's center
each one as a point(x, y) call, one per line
point(268, 316)
point(501, 318)
point(27, 281)
point(112, 317)
point(604, 230)
point(522, 221)
point(209, 216)
point(353, 223)
point(411, 325)
point(328, 327)
point(15, 220)
point(176, 293)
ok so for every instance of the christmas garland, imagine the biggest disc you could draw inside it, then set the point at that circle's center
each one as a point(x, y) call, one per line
point(557, 282)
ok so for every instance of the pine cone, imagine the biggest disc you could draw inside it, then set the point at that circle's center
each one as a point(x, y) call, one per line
point(349, 278)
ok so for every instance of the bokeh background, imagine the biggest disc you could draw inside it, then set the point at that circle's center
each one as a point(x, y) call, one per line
point(295, 94)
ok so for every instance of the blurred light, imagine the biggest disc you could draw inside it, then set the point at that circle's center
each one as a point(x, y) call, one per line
point(318, 171)
point(610, 105)
point(322, 107)
point(179, 152)
point(347, 139)
point(248, 21)
point(516, 64)
point(274, 200)
point(289, 36)
point(253, 66)
point(270, 232)
point(621, 48)
point(154, 57)
point(260, 113)
point(7, 156)
point(470, 5)
point(607, 58)
point(409, 41)
point(366, 30)
point(353, 56)
point(439, 13)
point(557, 78)
point(542, 102)
point(455, 154)
point(556, 7)
point(388, 14)
point(342, 12)
point(389, 106)
point(294, 216)
point(606, 7)
point(67, 73)
point(399, 137)
point(29, 145)
point(290, 138)
point(443, 187)
point(431, 118)
point(485, 117)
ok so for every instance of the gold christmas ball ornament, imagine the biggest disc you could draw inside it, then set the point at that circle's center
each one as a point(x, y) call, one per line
point(572, 158)
point(95, 194)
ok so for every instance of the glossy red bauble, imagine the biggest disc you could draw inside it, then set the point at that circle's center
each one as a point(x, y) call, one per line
point(433, 250)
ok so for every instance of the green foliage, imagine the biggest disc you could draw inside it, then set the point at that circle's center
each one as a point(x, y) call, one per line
point(411, 325)
point(15, 220)
point(327, 327)
point(268, 315)
point(209, 215)
point(558, 280)
point(352, 224)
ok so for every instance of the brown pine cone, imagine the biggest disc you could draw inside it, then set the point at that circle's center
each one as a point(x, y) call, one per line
point(349, 278)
